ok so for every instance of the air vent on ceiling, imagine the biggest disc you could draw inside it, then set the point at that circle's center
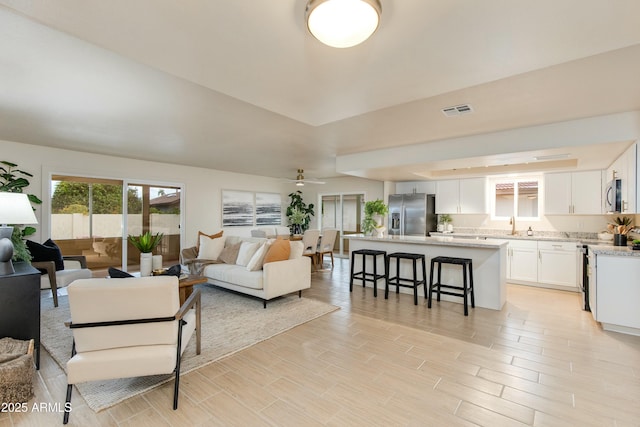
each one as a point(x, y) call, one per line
point(457, 110)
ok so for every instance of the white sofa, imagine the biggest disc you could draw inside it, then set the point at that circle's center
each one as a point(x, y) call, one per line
point(274, 280)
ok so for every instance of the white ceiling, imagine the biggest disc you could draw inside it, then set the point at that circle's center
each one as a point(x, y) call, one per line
point(242, 86)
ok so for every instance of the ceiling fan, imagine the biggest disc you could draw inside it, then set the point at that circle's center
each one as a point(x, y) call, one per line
point(301, 181)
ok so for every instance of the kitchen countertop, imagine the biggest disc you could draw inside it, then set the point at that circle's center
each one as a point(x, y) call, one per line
point(444, 240)
point(614, 250)
point(520, 237)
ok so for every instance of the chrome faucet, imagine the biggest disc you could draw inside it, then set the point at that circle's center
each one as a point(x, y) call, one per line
point(512, 223)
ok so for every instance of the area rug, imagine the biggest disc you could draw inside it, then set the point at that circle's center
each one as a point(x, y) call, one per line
point(230, 323)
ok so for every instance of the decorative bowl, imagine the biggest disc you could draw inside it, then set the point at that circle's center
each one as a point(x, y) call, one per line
point(605, 236)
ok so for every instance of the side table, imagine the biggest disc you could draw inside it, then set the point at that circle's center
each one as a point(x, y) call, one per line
point(20, 305)
point(186, 286)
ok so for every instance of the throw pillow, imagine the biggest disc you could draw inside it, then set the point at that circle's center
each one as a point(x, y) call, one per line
point(114, 273)
point(211, 236)
point(210, 248)
point(278, 251)
point(48, 251)
point(247, 250)
point(229, 254)
point(257, 259)
point(297, 248)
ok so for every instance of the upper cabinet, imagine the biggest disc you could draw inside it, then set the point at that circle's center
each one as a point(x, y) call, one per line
point(573, 193)
point(625, 168)
point(427, 187)
point(461, 196)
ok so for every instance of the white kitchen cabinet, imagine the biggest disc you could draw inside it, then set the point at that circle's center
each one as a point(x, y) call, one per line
point(558, 264)
point(617, 293)
point(625, 169)
point(573, 193)
point(427, 187)
point(522, 261)
point(465, 196)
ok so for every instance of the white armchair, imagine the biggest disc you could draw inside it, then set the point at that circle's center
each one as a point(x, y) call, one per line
point(75, 267)
point(127, 328)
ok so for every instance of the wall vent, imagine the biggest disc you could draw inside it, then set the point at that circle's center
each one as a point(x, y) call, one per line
point(457, 110)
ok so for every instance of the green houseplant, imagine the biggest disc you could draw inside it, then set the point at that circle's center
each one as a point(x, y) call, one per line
point(14, 180)
point(306, 211)
point(146, 242)
point(374, 212)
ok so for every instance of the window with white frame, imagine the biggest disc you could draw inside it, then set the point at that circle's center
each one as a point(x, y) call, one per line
point(516, 197)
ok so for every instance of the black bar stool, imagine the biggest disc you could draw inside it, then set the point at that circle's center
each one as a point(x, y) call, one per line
point(363, 275)
point(406, 281)
point(466, 288)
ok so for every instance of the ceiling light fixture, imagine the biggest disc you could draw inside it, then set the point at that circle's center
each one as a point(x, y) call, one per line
point(343, 23)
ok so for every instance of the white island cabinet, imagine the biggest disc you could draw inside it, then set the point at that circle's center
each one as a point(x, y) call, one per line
point(615, 292)
point(488, 256)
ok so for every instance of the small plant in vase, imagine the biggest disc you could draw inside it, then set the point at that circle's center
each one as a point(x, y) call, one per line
point(146, 243)
point(374, 215)
point(445, 219)
point(296, 221)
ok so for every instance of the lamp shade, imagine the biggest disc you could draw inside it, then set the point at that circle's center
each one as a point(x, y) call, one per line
point(343, 23)
point(15, 208)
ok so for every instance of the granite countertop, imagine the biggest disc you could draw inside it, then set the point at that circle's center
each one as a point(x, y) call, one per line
point(444, 240)
point(603, 249)
point(554, 238)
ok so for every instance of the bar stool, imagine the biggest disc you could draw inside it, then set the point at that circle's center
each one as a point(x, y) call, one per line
point(406, 281)
point(466, 288)
point(363, 275)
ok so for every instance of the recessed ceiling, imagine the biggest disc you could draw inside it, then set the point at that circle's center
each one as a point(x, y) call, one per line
point(242, 87)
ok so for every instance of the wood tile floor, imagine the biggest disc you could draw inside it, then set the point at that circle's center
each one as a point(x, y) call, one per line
point(540, 361)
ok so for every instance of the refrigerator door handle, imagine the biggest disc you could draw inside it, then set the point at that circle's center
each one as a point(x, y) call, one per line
point(402, 220)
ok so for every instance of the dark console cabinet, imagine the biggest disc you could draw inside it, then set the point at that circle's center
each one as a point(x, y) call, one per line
point(20, 305)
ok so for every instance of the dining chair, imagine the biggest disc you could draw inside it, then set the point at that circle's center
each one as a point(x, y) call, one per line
point(327, 243)
point(310, 243)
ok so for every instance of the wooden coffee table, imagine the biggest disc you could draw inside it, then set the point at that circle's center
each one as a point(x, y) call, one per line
point(186, 285)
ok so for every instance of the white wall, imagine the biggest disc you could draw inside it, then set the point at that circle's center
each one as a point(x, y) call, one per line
point(202, 187)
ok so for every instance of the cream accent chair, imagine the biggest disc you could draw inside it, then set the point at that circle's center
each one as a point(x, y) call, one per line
point(130, 327)
point(327, 241)
point(310, 244)
point(75, 267)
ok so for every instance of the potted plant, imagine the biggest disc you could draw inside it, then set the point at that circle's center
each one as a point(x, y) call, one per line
point(374, 214)
point(306, 211)
point(296, 221)
point(620, 227)
point(14, 180)
point(636, 244)
point(146, 243)
point(445, 219)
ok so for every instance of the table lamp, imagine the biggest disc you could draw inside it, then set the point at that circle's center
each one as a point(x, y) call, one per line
point(15, 208)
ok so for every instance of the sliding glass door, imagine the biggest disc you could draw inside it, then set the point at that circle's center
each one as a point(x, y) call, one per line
point(342, 211)
point(87, 218)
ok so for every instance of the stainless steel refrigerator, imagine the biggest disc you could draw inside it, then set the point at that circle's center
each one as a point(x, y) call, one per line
point(412, 214)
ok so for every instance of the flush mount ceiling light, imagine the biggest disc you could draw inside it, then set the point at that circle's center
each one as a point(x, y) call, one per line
point(343, 23)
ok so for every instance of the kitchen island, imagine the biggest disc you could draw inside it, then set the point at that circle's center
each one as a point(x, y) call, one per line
point(489, 262)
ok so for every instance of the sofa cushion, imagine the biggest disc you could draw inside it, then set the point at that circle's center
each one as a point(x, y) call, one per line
point(229, 254)
point(211, 236)
point(210, 248)
point(278, 251)
point(257, 259)
point(48, 251)
point(236, 274)
point(247, 249)
point(297, 248)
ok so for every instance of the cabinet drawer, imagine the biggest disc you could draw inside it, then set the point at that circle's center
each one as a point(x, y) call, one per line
point(557, 246)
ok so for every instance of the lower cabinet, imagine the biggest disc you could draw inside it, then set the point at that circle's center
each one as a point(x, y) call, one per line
point(617, 293)
point(522, 260)
point(543, 263)
point(558, 264)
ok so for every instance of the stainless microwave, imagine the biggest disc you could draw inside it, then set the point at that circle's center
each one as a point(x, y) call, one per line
point(613, 196)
